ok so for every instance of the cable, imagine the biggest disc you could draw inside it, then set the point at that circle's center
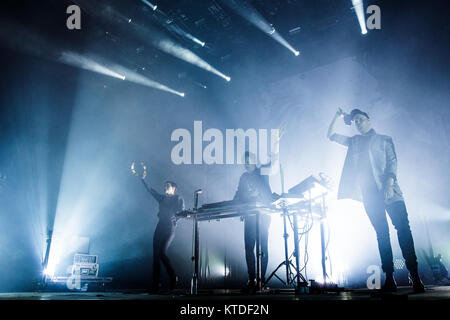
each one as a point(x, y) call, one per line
point(304, 231)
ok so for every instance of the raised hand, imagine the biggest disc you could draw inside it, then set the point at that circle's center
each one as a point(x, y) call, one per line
point(143, 167)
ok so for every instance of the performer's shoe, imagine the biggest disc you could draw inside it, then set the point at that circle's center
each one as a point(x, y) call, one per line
point(417, 284)
point(250, 287)
point(173, 283)
point(389, 285)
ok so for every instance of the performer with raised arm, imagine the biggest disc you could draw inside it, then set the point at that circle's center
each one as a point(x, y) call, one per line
point(169, 204)
point(254, 187)
point(370, 175)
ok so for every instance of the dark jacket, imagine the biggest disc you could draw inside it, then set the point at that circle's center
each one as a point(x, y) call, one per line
point(168, 205)
point(254, 187)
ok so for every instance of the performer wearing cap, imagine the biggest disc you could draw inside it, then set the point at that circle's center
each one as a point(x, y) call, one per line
point(370, 175)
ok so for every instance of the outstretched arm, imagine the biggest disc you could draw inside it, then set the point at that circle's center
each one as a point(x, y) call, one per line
point(332, 135)
point(273, 166)
point(159, 197)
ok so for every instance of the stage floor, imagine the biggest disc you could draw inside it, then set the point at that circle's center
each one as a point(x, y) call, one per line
point(433, 293)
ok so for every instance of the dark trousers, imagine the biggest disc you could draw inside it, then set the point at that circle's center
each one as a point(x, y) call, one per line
point(250, 242)
point(376, 210)
point(164, 234)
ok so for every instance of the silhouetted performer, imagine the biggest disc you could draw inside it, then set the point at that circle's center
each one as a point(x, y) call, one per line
point(254, 187)
point(370, 175)
point(169, 204)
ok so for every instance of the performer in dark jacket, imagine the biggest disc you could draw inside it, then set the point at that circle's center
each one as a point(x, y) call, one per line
point(370, 175)
point(254, 187)
point(169, 204)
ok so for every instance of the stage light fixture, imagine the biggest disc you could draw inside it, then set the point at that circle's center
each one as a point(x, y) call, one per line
point(140, 79)
point(119, 72)
point(174, 49)
point(358, 6)
point(245, 10)
point(181, 32)
point(87, 63)
point(199, 42)
point(152, 6)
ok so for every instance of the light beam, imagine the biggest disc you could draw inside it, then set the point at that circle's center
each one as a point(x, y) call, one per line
point(249, 13)
point(176, 50)
point(76, 60)
point(152, 6)
point(358, 6)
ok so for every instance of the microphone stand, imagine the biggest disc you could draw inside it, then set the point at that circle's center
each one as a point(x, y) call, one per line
point(194, 281)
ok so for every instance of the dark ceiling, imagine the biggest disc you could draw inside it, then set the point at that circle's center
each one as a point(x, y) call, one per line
point(231, 41)
point(323, 31)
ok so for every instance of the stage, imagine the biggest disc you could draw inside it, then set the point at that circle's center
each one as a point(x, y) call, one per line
point(433, 293)
point(216, 144)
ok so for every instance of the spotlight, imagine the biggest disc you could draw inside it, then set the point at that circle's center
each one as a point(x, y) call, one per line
point(176, 50)
point(152, 6)
point(87, 63)
point(50, 270)
point(196, 40)
point(168, 23)
point(358, 6)
point(138, 78)
point(245, 10)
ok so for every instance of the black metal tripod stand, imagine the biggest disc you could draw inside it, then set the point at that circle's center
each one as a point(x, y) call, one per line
point(297, 280)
